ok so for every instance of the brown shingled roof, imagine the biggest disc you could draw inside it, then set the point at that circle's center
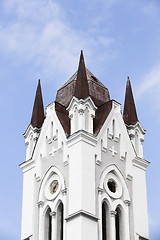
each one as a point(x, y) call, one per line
point(100, 116)
point(38, 109)
point(97, 91)
point(63, 117)
point(129, 113)
point(81, 85)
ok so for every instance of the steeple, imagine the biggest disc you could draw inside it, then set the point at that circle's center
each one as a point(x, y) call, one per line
point(81, 88)
point(129, 113)
point(38, 109)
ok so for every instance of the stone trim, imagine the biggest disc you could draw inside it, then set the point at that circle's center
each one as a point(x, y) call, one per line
point(83, 214)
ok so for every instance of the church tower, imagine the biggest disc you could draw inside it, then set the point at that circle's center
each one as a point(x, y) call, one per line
point(84, 175)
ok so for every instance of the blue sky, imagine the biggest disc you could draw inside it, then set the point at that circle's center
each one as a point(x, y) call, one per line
point(42, 39)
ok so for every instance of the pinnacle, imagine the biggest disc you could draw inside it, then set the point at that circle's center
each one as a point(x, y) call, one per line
point(81, 88)
point(129, 113)
point(38, 109)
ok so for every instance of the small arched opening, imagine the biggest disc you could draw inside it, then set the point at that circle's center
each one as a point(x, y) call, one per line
point(60, 220)
point(48, 225)
point(118, 224)
point(105, 221)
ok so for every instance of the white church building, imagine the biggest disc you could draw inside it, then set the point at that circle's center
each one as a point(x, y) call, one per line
point(84, 177)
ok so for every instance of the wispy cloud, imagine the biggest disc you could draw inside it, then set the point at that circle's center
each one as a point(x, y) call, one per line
point(40, 33)
point(150, 84)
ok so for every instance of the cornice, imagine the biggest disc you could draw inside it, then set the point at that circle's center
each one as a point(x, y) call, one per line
point(30, 127)
point(27, 165)
point(83, 214)
point(81, 135)
point(136, 125)
point(140, 163)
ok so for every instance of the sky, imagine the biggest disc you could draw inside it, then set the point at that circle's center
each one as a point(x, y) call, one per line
point(42, 40)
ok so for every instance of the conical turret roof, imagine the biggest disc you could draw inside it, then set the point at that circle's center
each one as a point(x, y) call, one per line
point(129, 113)
point(82, 84)
point(38, 109)
point(81, 88)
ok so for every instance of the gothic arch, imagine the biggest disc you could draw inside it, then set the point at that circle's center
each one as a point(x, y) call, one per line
point(105, 215)
point(53, 170)
point(113, 169)
point(48, 224)
point(119, 222)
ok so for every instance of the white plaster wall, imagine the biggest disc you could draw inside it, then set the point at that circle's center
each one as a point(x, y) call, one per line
point(140, 202)
point(82, 228)
point(74, 229)
point(89, 229)
point(75, 172)
point(81, 178)
point(88, 178)
point(27, 206)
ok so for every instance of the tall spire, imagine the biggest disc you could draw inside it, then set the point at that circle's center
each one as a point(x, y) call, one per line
point(38, 109)
point(81, 88)
point(129, 113)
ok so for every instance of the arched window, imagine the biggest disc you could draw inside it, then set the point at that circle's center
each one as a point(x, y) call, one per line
point(118, 223)
point(48, 225)
point(105, 222)
point(60, 217)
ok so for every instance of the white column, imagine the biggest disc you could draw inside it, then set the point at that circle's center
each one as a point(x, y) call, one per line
point(81, 121)
point(54, 225)
point(100, 191)
point(41, 221)
point(113, 225)
point(126, 221)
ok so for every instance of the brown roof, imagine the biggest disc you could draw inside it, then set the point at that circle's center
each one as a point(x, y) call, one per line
point(81, 90)
point(129, 113)
point(63, 117)
point(97, 91)
point(38, 109)
point(101, 114)
point(81, 85)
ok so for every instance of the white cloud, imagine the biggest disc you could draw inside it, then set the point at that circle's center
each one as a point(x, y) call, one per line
point(39, 32)
point(150, 84)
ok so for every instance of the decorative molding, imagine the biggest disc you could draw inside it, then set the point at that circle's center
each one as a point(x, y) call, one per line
point(40, 204)
point(81, 111)
point(81, 135)
point(38, 178)
point(113, 151)
point(83, 214)
point(27, 165)
point(127, 202)
point(64, 191)
point(140, 163)
point(113, 213)
point(100, 191)
point(52, 214)
point(129, 177)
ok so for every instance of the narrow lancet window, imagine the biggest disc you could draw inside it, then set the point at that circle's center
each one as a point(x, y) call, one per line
point(117, 223)
point(104, 221)
point(48, 225)
point(60, 217)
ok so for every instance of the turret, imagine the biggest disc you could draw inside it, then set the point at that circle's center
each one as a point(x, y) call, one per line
point(81, 107)
point(32, 133)
point(135, 130)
